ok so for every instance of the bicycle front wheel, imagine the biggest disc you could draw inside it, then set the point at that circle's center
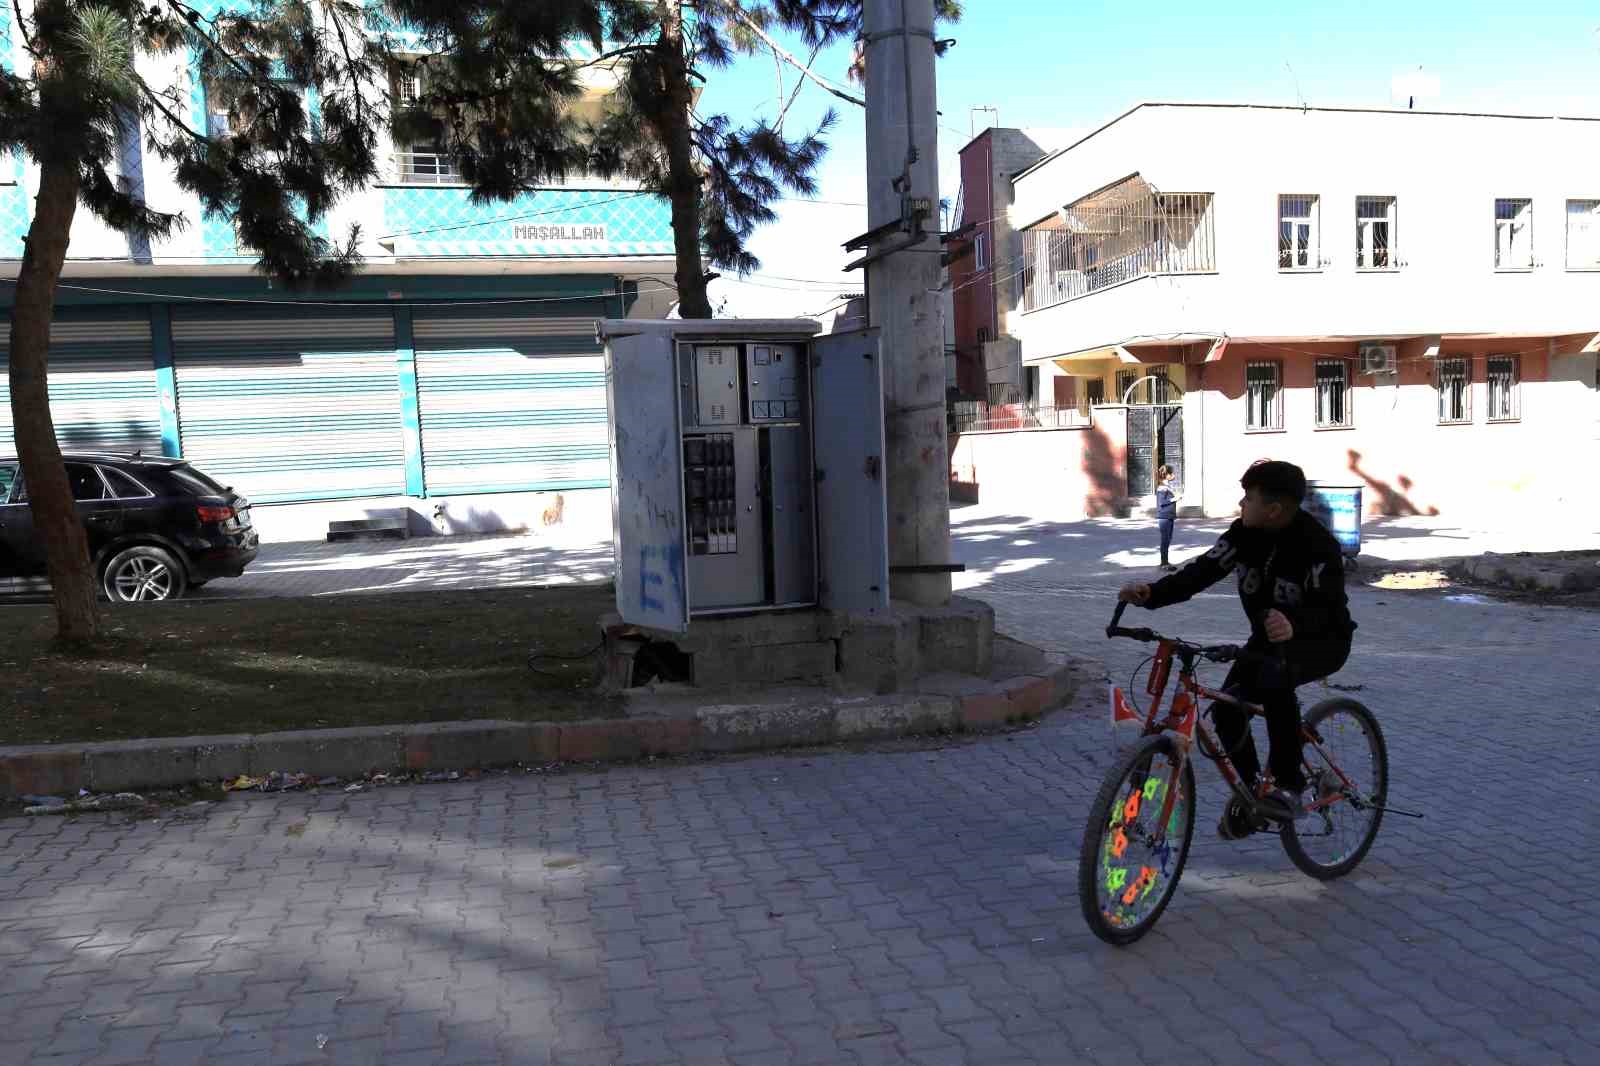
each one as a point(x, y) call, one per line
point(1135, 844)
point(1350, 763)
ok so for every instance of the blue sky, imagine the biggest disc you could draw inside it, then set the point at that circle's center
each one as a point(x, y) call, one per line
point(1047, 64)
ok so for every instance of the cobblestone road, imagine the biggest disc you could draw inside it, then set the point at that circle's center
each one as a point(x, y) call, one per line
point(909, 903)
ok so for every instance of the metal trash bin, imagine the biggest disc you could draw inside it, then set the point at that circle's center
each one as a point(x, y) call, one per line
point(1338, 508)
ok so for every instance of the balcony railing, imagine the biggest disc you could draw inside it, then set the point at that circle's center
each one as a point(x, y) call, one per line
point(975, 416)
point(425, 168)
point(1126, 232)
point(437, 168)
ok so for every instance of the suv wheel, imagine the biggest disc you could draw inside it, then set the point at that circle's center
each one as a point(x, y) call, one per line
point(142, 574)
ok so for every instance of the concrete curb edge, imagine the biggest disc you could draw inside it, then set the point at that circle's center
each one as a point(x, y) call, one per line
point(116, 766)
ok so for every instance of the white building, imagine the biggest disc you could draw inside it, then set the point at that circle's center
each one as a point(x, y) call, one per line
point(1405, 301)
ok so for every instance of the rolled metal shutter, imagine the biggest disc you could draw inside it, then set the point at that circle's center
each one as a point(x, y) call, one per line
point(291, 403)
point(510, 403)
point(102, 382)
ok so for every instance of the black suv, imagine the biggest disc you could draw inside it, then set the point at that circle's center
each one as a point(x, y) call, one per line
point(157, 527)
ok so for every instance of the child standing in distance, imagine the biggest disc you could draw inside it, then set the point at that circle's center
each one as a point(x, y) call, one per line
point(1167, 493)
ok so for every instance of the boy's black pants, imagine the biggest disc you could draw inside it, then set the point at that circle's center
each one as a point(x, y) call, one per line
point(1272, 684)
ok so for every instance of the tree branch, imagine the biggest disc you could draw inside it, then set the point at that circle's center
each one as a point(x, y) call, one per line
point(156, 99)
point(798, 85)
point(628, 49)
point(350, 66)
point(28, 40)
point(805, 71)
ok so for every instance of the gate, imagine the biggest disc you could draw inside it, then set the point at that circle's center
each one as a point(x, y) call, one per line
point(1155, 437)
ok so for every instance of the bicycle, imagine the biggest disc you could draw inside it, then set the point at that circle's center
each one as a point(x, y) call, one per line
point(1156, 777)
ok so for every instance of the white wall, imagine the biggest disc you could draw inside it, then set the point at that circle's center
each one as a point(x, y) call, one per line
point(1445, 170)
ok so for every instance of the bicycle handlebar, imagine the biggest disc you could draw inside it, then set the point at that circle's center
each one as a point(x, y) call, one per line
point(1217, 653)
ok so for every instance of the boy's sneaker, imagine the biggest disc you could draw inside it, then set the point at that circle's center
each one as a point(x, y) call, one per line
point(1282, 805)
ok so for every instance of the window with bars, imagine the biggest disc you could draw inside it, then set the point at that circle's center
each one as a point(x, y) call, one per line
point(1513, 234)
point(1503, 377)
point(1125, 379)
point(1333, 393)
point(1583, 234)
point(1376, 232)
point(1453, 379)
point(1161, 390)
point(1298, 240)
point(1263, 396)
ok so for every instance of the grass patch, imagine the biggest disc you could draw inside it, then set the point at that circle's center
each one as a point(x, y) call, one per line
point(261, 665)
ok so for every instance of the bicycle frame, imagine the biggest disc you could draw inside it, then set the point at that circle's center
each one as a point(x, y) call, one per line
point(1182, 720)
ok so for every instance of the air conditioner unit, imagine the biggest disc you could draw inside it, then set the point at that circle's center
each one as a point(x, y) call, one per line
point(1378, 359)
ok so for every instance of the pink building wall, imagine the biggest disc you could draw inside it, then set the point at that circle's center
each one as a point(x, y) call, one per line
point(972, 291)
point(1406, 462)
point(1059, 474)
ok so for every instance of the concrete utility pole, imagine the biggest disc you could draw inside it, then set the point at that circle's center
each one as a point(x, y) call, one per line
point(903, 279)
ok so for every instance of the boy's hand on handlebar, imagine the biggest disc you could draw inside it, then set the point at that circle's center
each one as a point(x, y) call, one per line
point(1279, 629)
point(1136, 593)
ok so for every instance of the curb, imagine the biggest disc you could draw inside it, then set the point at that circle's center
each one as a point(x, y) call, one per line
point(804, 719)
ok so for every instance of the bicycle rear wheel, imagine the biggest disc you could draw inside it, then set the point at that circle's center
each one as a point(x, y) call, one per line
point(1130, 861)
point(1331, 840)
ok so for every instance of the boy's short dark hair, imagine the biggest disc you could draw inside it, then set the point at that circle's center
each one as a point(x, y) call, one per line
point(1276, 480)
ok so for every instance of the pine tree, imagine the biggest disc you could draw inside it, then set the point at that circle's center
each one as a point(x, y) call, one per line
point(276, 170)
point(499, 72)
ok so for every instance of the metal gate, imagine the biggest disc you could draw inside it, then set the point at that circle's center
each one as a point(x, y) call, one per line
point(1155, 437)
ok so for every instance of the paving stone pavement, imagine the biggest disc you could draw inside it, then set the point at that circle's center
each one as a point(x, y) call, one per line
point(905, 903)
point(418, 565)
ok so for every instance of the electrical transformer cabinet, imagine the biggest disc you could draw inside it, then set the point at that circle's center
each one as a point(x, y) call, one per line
point(747, 468)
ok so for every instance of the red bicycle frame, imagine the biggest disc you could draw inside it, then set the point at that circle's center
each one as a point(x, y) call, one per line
point(1182, 720)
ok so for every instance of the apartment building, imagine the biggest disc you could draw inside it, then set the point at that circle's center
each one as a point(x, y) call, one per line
point(1404, 301)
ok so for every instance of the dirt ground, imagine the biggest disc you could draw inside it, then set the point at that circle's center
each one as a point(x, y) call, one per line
point(258, 665)
point(1441, 575)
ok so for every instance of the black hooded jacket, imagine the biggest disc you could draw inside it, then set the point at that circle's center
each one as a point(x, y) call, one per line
point(1298, 570)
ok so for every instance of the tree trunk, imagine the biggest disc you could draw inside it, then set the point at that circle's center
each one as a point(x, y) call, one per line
point(55, 516)
point(683, 177)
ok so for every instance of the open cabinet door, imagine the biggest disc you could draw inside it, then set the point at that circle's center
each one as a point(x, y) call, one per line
point(647, 481)
point(848, 447)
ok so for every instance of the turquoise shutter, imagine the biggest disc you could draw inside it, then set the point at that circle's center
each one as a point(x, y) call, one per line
point(510, 403)
point(291, 403)
point(102, 382)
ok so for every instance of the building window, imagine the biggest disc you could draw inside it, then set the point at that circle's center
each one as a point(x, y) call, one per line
point(1513, 234)
point(1376, 227)
point(1125, 380)
point(1096, 391)
point(1160, 386)
point(1333, 393)
point(980, 252)
point(1504, 377)
point(1263, 396)
point(1454, 382)
point(1583, 234)
point(1298, 247)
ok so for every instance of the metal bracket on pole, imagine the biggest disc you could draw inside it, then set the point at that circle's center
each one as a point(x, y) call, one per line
point(899, 31)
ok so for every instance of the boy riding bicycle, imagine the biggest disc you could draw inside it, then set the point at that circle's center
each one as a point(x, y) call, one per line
point(1291, 583)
